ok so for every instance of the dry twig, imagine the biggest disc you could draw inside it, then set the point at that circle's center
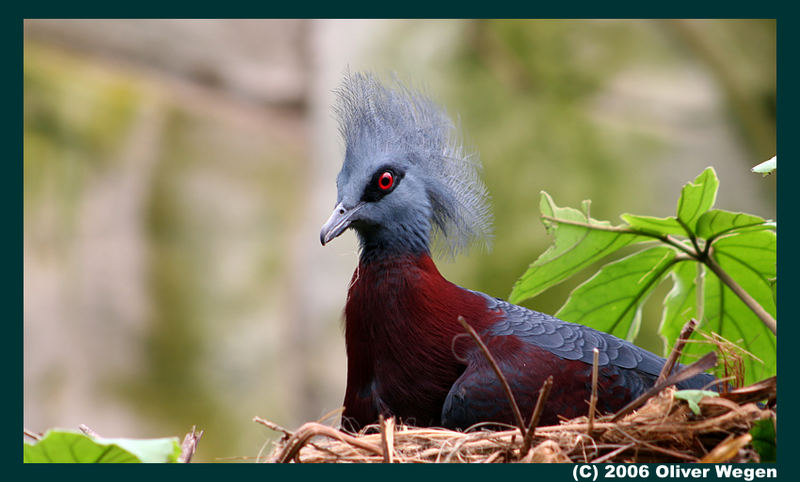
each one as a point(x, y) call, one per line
point(189, 445)
point(663, 431)
point(496, 368)
point(701, 365)
point(387, 438)
point(544, 392)
point(593, 398)
point(686, 332)
point(89, 431)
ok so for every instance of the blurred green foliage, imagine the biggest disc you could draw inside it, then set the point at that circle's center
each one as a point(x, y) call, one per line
point(75, 118)
point(216, 197)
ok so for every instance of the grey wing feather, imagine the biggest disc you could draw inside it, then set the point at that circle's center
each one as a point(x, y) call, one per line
point(570, 341)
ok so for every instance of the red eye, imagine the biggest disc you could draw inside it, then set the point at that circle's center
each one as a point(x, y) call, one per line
point(386, 181)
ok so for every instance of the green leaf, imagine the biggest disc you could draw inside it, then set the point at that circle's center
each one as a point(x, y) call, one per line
point(157, 450)
point(697, 197)
point(693, 398)
point(764, 441)
point(578, 242)
point(754, 252)
point(680, 304)
point(64, 446)
point(749, 258)
point(728, 316)
point(650, 224)
point(718, 222)
point(767, 167)
point(612, 299)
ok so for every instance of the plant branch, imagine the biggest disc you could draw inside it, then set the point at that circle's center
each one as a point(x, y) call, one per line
point(690, 234)
point(743, 295)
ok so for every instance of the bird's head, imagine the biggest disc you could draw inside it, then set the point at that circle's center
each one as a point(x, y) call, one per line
point(405, 178)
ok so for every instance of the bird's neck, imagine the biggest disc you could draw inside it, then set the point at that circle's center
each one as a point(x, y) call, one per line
point(394, 242)
point(400, 289)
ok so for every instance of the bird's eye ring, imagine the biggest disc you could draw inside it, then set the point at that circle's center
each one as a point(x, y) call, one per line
point(386, 181)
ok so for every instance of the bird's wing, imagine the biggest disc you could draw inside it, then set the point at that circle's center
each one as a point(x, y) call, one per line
point(530, 346)
point(570, 341)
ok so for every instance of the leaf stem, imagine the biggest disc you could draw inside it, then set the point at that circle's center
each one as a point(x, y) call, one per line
point(690, 234)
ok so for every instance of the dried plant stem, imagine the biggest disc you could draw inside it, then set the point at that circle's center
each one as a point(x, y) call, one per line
point(686, 332)
point(656, 448)
point(701, 365)
point(593, 399)
point(85, 429)
point(727, 449)
point(496, 368)
point(661, 432)
point(613, 453)
point(189, 446)
point(313, 429)
point(387, 438)
point(544, 392)
point(273, 426)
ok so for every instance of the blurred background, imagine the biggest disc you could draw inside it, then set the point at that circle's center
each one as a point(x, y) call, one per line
point(177, 172)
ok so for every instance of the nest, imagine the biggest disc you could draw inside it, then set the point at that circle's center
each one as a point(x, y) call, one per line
point(654, 428)
point(663, 430)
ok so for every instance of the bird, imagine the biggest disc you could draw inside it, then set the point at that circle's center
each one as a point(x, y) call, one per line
point(409, 189)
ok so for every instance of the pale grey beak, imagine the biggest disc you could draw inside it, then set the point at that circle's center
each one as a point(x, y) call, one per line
point(338, 222)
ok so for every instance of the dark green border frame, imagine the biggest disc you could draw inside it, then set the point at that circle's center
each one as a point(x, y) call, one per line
point(787, 83)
